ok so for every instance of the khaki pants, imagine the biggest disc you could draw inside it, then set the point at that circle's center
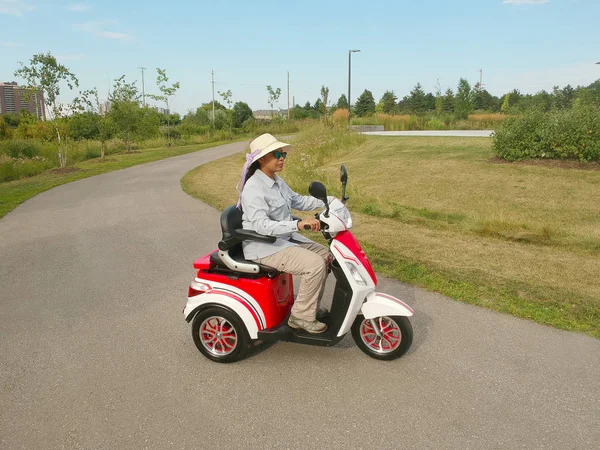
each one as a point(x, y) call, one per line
point(309, 260)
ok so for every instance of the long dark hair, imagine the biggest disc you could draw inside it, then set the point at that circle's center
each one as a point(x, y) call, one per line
point(253, 168)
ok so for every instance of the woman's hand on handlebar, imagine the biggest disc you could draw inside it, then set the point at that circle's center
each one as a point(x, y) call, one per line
point(309, 224)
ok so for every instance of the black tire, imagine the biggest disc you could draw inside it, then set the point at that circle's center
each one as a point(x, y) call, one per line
point(389, 348)
point(230, 345)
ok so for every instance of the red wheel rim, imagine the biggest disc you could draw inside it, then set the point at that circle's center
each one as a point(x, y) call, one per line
point(381, 334)
point(218, 336)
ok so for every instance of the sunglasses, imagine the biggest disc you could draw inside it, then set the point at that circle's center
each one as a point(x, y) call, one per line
point(280, 154)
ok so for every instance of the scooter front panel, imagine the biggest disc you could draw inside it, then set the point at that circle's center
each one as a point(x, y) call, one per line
point(358, 278)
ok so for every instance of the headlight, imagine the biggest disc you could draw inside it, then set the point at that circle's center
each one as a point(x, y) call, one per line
point(356, 274)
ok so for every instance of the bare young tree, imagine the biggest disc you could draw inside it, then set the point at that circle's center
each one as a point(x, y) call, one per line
point(44, 74)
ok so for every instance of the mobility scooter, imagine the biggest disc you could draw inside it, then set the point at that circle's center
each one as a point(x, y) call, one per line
point(233, 303)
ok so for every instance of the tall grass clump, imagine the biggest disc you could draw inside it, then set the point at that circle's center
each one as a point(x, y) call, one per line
point(340, 116)
point(314, 145)
point(558, 134)
point(394, 122)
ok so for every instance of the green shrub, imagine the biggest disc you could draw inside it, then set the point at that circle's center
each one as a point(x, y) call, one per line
point(20, 148)
point(16, 168)
point(558, 134)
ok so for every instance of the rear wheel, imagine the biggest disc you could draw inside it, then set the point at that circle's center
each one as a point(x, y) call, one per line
point(385, 337)
point(220, 335)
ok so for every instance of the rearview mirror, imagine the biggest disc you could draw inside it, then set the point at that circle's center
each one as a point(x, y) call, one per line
point(343, 174)
point(318, 190)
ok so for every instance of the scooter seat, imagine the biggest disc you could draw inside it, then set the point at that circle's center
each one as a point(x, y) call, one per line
point(239, 257)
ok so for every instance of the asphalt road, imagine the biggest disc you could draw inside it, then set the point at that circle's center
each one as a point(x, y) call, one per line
point(95, 353)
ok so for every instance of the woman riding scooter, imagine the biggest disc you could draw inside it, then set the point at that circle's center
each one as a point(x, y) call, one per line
point(266, 202)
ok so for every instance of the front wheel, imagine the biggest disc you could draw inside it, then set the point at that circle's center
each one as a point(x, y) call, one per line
point(220, 335)
point(386, 337)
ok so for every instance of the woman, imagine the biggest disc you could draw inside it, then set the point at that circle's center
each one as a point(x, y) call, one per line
point(266, 202)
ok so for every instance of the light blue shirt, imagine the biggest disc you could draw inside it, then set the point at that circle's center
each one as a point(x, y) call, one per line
point(267, 209)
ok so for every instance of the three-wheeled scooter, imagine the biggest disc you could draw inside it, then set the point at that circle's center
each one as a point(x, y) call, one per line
point(233, 303)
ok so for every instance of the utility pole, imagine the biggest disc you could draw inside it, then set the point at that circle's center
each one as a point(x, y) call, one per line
point(480, 79)
point(143, 87)
point(288, 95)
point(213, 92)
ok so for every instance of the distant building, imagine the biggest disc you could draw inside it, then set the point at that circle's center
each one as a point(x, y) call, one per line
point(267, 114)
point(104, 107)
point(160, 110)
point(14, 99)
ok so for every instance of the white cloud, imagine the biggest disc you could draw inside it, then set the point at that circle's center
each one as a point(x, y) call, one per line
point(14, 7)
point(9, 44)
point(525, 2)
point(98, 28)
point(78, 7)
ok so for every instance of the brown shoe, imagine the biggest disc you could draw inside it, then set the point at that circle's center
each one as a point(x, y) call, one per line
point(312, 327)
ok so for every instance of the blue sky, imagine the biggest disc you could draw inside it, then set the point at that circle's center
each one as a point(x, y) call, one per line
point(525, 44)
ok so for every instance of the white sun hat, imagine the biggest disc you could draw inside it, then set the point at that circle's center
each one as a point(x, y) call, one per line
point(265, 144)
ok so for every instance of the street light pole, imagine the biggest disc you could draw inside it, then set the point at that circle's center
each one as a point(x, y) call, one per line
point(349, 75)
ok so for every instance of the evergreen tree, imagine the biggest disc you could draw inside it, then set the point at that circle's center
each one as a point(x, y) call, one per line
point(449, 101)
point(388, 102)
point(365, 105)
point(342, 102)
point(418, 99)
point(463, 104)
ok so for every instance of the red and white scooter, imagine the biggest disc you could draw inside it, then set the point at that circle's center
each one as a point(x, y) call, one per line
point(233, 302)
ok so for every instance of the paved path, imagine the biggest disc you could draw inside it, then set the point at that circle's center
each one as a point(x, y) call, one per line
point(454, 133)
point(95, 353)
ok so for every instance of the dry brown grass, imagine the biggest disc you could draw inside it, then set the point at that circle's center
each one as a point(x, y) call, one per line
point(340, 116)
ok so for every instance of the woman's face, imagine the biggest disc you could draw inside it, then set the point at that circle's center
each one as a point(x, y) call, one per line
point(271, 164)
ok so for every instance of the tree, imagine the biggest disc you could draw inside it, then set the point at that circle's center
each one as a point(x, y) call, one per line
point(463, 104)
point(318, 106)
point(227, 98)
point(365, 104)
point(273, 96)
point(505, 103)
point(209, 106)
point(483, 100)
point(563, 98)
point(44, 74)
point(166, 93)
point(325, 97)
point(128, 120)
point(388, 102)
point(200, 117)
point(241, 113)
point(439, 100)
point(418, 99)
point(85, 126)
point(342, 102)
point(449, 101)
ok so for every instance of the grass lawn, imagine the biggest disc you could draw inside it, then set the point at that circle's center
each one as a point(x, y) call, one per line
point(13, 193)
point(442, 214)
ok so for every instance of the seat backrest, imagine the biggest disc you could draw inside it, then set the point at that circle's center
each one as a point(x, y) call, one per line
point(231, 220)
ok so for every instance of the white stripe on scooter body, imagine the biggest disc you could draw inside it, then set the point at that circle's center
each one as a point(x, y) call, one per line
point(243, 306)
